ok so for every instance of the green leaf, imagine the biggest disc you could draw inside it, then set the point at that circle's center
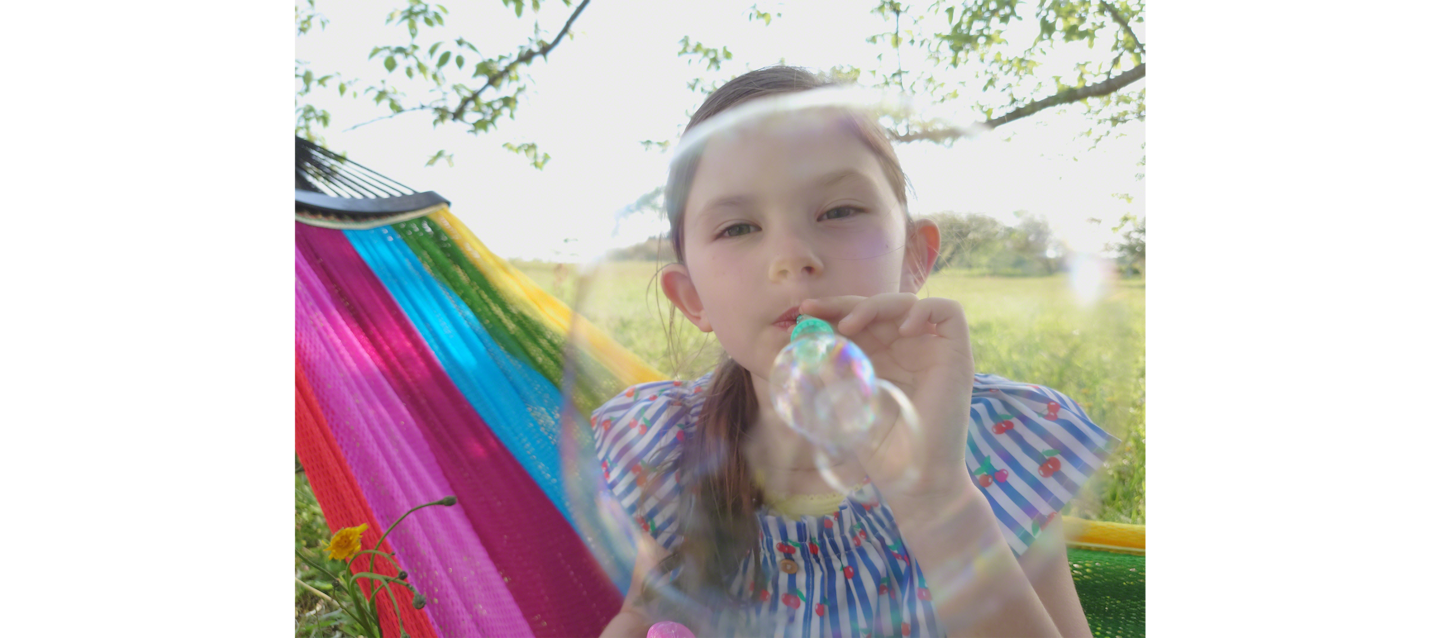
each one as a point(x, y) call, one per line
point(444, 57)
point(519, 6)
point(390, 63)
point(433, 47)
point(459, 61)
point(309, 77)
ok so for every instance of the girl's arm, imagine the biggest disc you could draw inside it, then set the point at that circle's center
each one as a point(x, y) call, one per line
point(977, 586)
point(1047, 567)
point(632, 621)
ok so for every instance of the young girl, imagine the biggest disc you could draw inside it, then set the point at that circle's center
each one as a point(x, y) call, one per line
point(947, 529)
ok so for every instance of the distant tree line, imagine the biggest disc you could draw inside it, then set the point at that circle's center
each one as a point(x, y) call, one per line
point(1130, 250)
point(980, 243)
point(653, 249)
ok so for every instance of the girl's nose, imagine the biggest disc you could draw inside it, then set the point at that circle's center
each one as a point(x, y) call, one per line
point(794, 259)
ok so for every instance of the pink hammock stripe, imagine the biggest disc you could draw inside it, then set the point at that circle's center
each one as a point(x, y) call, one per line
point(554, 580)
point(396, 470)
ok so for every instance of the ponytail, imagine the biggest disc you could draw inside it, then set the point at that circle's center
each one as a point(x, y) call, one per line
point(720, 530)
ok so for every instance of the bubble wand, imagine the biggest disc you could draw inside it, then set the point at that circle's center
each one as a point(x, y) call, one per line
point(824, 387)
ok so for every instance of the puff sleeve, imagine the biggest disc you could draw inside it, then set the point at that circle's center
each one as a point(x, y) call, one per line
point(1029, 449)
point(638, 435)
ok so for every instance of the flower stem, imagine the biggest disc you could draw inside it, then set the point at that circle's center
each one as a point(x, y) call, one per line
point(384, 582)
point(379, 553)
point(391, 529)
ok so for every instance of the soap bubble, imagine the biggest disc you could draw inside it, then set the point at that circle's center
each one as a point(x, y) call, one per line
point(825, 386)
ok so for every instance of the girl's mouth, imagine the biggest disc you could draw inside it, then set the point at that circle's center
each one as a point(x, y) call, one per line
point(787, 320)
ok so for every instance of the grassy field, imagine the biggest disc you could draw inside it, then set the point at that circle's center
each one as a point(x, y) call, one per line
point(1027, 329)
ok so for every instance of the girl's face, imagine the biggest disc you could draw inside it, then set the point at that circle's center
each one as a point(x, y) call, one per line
point(783, 213)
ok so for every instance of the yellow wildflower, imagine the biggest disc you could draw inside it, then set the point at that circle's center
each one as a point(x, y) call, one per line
point(346, 542)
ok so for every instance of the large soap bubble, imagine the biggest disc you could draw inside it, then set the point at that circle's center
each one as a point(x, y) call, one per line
point(824, 386)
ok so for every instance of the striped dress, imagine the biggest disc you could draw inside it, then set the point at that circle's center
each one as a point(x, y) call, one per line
point(847, 573)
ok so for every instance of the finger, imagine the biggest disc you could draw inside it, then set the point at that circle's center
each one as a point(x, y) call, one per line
point(886, 307)
point(946, 315)
point(926, 352)
point(884, 331)
point(830, 308)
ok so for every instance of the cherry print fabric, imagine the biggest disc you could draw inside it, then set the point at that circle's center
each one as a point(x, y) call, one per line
point(848, 573)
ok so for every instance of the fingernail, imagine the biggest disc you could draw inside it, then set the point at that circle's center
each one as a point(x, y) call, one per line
point(669, 629)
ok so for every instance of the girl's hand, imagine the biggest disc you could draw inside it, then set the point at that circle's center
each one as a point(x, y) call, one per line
point(923, 347)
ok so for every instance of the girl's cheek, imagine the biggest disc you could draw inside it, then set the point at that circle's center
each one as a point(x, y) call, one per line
point(863, 242)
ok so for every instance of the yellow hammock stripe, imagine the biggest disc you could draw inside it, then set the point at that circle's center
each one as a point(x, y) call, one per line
point(530, 298)
point(1110, 537)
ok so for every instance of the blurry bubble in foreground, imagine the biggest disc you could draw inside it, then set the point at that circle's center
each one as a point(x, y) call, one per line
point(618, 294)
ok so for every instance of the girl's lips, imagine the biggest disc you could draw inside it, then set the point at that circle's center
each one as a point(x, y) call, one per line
point(787, 320)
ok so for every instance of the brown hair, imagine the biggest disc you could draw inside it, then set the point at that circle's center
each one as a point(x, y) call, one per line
point(720, 530)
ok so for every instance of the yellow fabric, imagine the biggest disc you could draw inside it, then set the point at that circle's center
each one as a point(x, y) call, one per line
point(535, 301)
point(798, 505)
point(1111, 537)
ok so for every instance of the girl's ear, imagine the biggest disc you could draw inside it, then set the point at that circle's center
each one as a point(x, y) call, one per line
point(922, 248)
point(675, 281)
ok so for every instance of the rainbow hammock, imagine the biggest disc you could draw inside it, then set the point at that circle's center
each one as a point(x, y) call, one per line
point(426, 366)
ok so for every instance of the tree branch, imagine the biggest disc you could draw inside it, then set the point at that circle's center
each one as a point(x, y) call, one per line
point(1115, 15)
point(393, 114)
point(1064, 97)
point(494, 78)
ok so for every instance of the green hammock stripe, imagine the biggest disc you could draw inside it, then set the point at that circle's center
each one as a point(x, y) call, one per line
point(518, 333)
point(1112, 591)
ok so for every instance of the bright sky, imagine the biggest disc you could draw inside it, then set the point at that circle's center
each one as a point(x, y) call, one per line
point(620, 81)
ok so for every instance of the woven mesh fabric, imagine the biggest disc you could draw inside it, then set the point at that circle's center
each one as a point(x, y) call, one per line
point(524, 294)
point(521, 407)
point(519, 333)
point(395, 470)
point(554, 580)
point(1112, 591)
point(339, 497)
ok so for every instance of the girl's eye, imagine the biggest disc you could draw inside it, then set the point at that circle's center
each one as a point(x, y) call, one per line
point(738, 230)
point(839, 212)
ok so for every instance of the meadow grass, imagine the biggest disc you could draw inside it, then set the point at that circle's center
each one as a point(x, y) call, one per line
point(1029, 329)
